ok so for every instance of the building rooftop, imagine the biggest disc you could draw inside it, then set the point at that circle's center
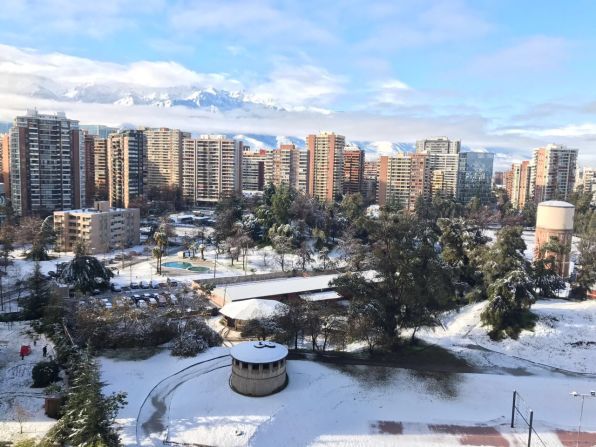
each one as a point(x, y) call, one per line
point(252, 309)
point(284, 286)
point(557, 204)
point(259, 352)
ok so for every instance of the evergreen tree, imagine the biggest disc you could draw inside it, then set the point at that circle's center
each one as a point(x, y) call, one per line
point(505, 255)
point(88, 415)
point(585, 278)
point(39, 295)
point(86, 273)
point(508, 308)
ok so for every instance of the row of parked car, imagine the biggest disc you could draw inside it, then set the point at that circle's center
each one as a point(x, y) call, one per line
point(143, 300)
point(143, 285)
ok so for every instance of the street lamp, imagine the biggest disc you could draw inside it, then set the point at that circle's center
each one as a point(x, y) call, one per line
point(581, 413)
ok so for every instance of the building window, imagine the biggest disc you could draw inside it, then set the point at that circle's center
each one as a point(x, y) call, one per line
point(255, 367)
point(244, 365)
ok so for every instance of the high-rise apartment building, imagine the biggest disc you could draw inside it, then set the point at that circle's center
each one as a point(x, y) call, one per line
point(47, 163)
point(326, 171)
point(164, 158)
point(553, 172)
point(211, 168)
point(403, 178)
point(5, 162)
point(101, 168)
point(370, 181)
point(444, 164)
point(126, 167)
point(353, 169)
point(475, 174)
point(287, 165)
point(585, 179)
point(253, 170)
point(499, 179)
point(518, 184)
point(89, 142)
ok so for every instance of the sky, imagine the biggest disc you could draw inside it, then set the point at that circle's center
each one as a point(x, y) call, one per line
point(493, 73)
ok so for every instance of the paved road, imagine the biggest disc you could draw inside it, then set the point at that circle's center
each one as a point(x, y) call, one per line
point(153, 419)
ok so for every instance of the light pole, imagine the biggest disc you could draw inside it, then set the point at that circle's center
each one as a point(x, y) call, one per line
point(581, 413)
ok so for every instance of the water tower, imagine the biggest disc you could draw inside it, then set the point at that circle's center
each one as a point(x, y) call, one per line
point(554, 220)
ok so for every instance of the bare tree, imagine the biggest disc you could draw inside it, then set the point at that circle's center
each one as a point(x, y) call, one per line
point(21, 415)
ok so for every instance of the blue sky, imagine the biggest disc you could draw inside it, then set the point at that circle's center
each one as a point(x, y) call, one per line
point(496, 72)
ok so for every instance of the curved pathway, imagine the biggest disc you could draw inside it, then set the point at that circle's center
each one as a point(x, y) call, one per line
point(153, 418)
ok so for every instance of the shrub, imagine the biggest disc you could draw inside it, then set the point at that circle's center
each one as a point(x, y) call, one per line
point(195, 337)
point(45, 373)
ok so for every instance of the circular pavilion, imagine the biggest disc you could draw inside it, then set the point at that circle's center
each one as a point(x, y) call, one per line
point(258, 368)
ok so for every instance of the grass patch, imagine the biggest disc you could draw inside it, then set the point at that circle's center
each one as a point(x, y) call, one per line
point(125, 354)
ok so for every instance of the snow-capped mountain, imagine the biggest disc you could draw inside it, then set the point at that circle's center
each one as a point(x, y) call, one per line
point(192, 96)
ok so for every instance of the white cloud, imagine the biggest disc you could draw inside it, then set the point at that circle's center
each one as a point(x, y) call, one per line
point(534, 54)
point(71, 70)
point(300, 85)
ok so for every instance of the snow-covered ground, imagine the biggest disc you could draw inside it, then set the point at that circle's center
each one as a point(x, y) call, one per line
point(564, 336)
point(343, 406)
point(16, 395)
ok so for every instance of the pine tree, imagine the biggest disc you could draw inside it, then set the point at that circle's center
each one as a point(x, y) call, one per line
point(39, 295)
point(86, 273)
point(88, 415)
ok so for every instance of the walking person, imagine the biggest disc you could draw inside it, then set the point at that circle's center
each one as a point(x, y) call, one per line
point(45, 350)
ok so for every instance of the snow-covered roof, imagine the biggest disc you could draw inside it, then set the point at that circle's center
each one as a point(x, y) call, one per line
point(252, 309)
point(320, 296)
point(556, 203)
point(259, 352)
point(260, 289)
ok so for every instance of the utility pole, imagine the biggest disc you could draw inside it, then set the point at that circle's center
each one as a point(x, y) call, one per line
point(581, 412)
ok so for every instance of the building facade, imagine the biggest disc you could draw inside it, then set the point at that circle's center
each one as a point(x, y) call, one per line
point(126, 152)
point(326, 159)
point(518, 184)
point(444, 164)
point(553, 172)
point(211, 168)
point(370, 181)
point(47, 163)
point(475, 175)
point(100, 168)
point(164, 158)
point(101, 228)
point(403, 178)
point(586, 179)
point(5, 170)
point(253, 170)
point(287, 165)
point(89, 142)
point(353, 169)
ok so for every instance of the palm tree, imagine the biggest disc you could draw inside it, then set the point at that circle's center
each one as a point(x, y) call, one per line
point(157, 254)
point(161, 241)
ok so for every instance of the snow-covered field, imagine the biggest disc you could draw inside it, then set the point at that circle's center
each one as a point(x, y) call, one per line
point(564, 336)
point(17, 399)
point(341, 406)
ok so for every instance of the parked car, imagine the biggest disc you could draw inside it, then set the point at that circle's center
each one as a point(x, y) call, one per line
point(116, 288)
point(144, 285)
point(146, 296)
point(163, 284)
point(161, 300)
point(136, 297)
point(96, 292)
point(152, 301)
point(125, 288)
point(154, 285)
point(142, 304)
point(134, 285)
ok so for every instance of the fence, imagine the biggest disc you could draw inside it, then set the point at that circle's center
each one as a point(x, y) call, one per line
point(523, 411)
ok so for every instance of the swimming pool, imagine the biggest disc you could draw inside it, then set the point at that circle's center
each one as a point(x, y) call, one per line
point(185, 266)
